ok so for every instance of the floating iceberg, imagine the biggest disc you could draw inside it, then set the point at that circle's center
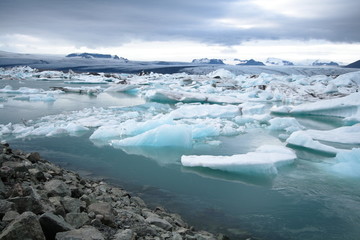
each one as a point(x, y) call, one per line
point(302, 139)
point(205, 110)
point(347, 163)
point(345, 135)
point(163, 136)
point(287, 124)
point(265, 160)
point(121, 88)
point(338, 107)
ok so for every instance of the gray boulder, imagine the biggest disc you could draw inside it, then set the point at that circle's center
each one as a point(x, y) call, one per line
point(52, 224)
point(72, 204)
point(104, 209)
point(161, 223)
point(77, 220)
point(5, 206)
point(25, 226)
point(84, 233)
point(127, 234)
point(57, 187)
point(10, 216)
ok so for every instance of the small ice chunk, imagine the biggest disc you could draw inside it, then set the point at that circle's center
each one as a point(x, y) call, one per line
point(164, 136)
point(348, 163)
point(287, 124)
point(302, 139)
point(264, 160)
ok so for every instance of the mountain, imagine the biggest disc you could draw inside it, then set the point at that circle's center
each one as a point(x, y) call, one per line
point(324, 63)
point(354, 65)
point(278, 62)
point(207, 61)
point(250, 62)
point(96, 55)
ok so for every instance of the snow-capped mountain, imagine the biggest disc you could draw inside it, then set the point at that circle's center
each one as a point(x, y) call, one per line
point(250, 62)
point(207, 61)
point(278, 62)
point(317, 62)
point(96, 55)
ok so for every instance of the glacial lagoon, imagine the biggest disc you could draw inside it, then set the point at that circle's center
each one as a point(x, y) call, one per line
point(314, 196)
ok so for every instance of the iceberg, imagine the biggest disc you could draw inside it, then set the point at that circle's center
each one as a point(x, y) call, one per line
point(347, 163)
point(287, 124)
point(205, 110)
point(164, 136)
point(302, 139)
point(344, 135)
point(265, 160)
point(338, 107)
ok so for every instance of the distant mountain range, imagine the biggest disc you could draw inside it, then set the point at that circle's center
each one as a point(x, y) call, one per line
point(96, 55)
point(268, 62)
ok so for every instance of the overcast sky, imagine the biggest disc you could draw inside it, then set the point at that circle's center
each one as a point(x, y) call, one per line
point(184, 29)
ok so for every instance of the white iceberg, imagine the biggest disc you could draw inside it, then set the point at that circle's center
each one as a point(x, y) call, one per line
point(302, 139)
point(205, 110)
point(163, 136)
point(347, 163)
point(338, 107)
point(287, 124)
point(265, 160)
point(345, 135)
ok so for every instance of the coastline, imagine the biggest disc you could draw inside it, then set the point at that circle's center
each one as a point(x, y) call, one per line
point(39, 200)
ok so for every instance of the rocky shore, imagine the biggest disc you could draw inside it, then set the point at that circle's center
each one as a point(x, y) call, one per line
point(39, 200)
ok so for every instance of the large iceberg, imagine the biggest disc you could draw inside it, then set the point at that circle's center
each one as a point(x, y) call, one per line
point(338, 107)
point(265, 160)
point(163, 136)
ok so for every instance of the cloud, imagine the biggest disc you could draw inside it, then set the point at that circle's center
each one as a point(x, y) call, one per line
point(101, 23)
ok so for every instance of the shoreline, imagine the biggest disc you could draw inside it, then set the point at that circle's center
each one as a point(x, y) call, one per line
point(40, 200)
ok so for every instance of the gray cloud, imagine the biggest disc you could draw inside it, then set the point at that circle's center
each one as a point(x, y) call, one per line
point(111, 23)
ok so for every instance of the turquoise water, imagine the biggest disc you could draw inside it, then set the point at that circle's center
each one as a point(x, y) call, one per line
point(306, 200)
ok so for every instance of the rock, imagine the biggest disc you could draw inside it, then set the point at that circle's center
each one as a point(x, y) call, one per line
point(37, 174)
point(56, 202)
point(52, 224)
point(84, 233)
point(77, 220)
point(2, 188)
point(33, 157)
point(10, 216)
point(104, 209)
point(57, 187)
point(162, 223)
point(18, 166)
point(6, 173)
point(28, 203)
point(127, 234)
point(176, 236)
point(5, 206)
point(72, 204)
point(25, 226)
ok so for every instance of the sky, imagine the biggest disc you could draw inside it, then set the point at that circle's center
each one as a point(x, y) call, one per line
point(181, 30)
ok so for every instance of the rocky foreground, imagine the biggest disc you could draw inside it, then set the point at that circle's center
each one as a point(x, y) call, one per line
point(39, 200)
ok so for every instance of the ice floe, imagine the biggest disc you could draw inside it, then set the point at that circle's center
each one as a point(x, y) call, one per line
point(163, 136)
point(347, 163)
point(265, 160)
